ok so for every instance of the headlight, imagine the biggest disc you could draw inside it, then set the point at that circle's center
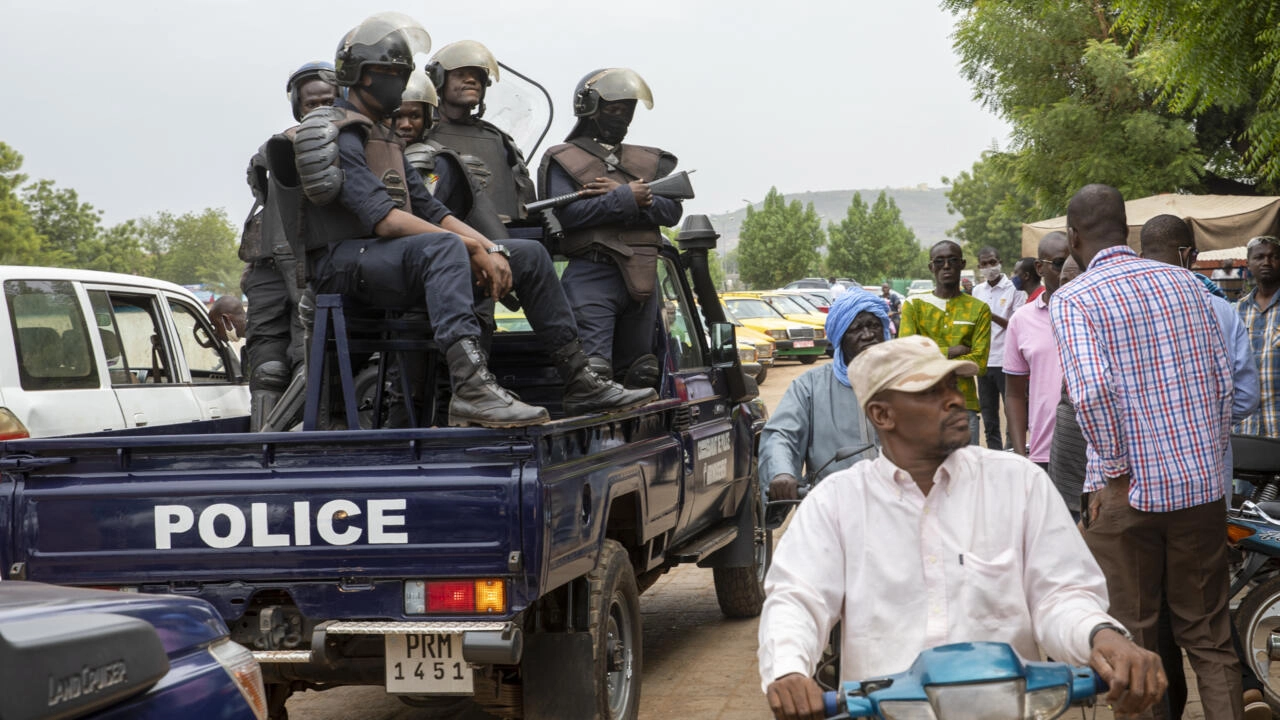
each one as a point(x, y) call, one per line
point(979, 701)
point(907, 710)
point(778, 334)
point(244, 672)
point(819, 334)
point(747, 354)
point(764, 351)
point(1046, 703)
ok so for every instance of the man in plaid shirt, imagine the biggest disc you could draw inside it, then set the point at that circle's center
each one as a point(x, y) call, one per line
point(1148, 370)
point(1260, 314)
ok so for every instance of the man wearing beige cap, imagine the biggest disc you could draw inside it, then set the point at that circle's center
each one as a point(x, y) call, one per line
point(934, 542)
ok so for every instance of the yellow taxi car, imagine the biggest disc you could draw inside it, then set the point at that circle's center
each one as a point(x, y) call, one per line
point(792, 340)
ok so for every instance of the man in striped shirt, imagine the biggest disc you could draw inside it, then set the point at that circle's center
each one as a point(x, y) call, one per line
point(1148, 370)
point(1260, 314)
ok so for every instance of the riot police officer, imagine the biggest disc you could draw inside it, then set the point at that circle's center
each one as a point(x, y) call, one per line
point(461, 72)
point(612, 235)
point(273, 344)
point(380, 238)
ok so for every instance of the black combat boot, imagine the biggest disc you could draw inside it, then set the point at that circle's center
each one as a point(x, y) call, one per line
point(587, 392)
point(478, 399)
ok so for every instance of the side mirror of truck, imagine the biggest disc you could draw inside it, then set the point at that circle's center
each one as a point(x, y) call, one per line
point(724, 344)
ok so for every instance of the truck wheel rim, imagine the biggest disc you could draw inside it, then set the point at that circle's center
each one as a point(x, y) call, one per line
point(619, 657)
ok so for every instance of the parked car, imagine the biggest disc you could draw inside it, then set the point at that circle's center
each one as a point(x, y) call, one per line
point(78, 653)
point(919, 287)
point(808, 284)
point(84, 351)
point(765, 347)
point(819, 299)
point(793, 340)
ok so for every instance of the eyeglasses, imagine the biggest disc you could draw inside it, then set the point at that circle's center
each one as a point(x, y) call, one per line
point(1189, 252)
point(1057, 264)
point(939, 263)
point(1269, 239)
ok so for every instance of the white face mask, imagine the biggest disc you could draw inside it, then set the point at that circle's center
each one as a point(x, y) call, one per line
point(991, 273)
point(229, 328)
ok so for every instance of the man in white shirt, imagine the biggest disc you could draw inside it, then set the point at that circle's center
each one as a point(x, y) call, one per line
point(935, 542)
point(999, 293)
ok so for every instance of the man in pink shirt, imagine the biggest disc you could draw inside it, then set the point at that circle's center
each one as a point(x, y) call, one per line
point(1031, 364)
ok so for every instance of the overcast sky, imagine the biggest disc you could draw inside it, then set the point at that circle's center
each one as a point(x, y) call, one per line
point(149, 106)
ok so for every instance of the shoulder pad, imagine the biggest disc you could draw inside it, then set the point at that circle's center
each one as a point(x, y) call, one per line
point(315, 151)
point(256, 174)
point(422, 156)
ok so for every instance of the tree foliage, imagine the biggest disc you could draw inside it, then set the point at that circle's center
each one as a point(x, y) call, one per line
point(1080, 103)
point(193, 248)
point(19, 241)
point(991, 206)
point(872, 244)
point(67, 225)
point(779, 242)
point(1220, 62)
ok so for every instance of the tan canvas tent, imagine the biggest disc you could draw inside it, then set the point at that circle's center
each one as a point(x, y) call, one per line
point(1219, 221)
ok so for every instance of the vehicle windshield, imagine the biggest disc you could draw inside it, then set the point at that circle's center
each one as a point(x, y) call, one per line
point(810, 305)
point(921, 285)
point(751, 308)
point(787, 305)
point(520, 107)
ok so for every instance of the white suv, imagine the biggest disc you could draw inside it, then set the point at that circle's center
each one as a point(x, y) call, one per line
point(84, 351)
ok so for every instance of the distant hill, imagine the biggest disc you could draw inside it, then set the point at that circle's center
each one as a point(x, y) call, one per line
point(924, 210)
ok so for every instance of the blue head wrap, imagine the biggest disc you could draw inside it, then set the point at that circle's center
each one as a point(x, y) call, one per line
point(840, 316)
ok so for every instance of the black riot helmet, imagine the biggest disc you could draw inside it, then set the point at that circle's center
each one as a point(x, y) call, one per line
point(605, 86)
point(390, 39)
point(318, 70)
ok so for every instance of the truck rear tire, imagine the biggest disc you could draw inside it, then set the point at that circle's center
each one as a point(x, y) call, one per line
point(616, 633)
point(740, 590)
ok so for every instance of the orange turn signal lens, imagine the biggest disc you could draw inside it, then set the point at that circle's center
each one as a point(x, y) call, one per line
point(1236, 533)
point(491, 596)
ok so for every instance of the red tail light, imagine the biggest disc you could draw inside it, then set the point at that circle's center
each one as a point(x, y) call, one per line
point(451, 596)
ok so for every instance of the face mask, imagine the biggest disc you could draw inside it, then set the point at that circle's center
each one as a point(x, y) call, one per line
point(1017, 283)
point(386, 91)
point(229, 329)
point(991, 273)
point(610, 129)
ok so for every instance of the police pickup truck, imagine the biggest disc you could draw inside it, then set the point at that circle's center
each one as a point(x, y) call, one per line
point(449, 565)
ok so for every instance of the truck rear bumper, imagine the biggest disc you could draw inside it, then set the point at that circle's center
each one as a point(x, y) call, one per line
point(483, 643)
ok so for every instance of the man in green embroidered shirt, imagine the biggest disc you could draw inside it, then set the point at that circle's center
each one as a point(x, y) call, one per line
point(960, 324)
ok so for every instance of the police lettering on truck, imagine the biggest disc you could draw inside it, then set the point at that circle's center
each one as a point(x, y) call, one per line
point(336, 522)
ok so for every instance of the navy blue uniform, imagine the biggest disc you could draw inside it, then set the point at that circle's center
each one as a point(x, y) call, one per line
point(396, 272)
point(449, 179)
point(611, 323)
point(533, 277)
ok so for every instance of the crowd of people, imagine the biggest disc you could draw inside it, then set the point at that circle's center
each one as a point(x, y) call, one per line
point(1094, 532)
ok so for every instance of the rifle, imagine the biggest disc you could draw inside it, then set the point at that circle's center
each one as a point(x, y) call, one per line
point(675, 186)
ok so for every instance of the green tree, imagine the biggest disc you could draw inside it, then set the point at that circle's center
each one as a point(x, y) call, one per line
point(20, 244)
point(1080, 104)
point(67, 225)
point(1218, 62)
point(121, 249)
point(193, 248)
point(779, 242)
point(872, 243)
point(991, 206)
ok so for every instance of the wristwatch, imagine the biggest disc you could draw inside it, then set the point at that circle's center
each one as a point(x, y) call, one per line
point(501, 250)
point(1108, 626)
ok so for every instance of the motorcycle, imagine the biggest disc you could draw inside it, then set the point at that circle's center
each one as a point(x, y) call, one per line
point(1254, 530)
point(969, 680)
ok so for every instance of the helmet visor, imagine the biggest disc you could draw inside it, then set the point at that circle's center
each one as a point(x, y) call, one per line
point(621, 84)
point(376, 28)
point(467, 53)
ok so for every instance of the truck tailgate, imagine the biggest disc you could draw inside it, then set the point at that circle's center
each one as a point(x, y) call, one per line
point(121, 511)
